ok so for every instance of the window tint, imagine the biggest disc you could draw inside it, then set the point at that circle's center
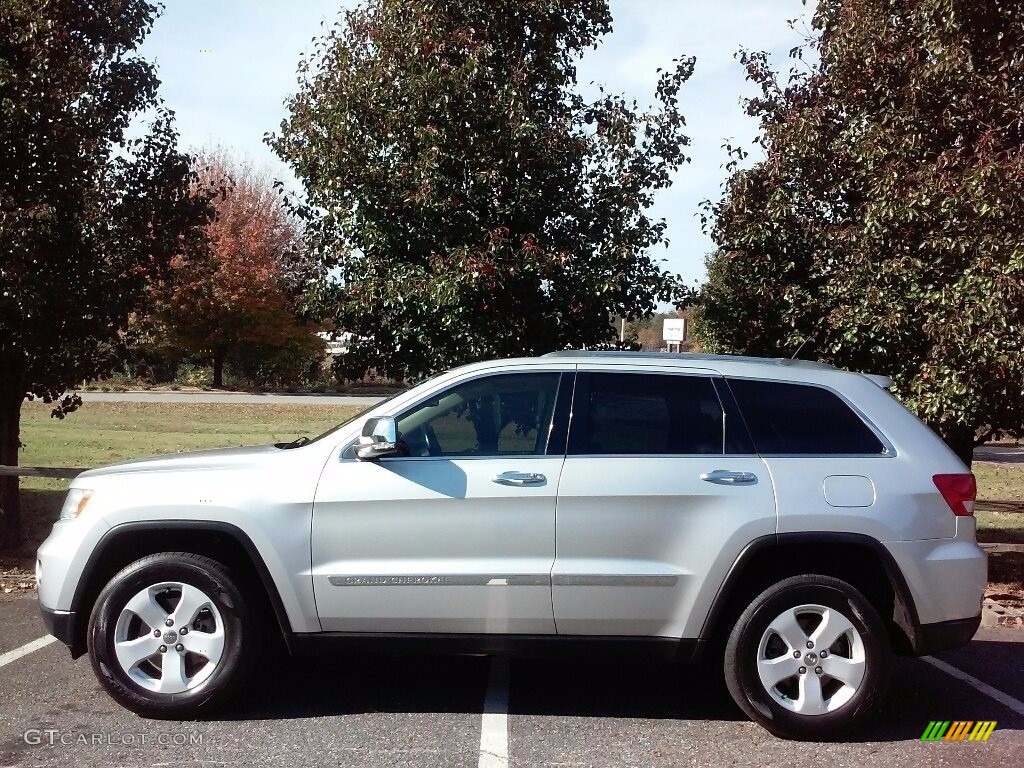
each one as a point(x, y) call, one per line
point(632, 413)
point(505, 415)
point(798, 418)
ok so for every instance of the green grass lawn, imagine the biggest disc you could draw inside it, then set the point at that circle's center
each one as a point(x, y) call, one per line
point(1000, 506)
point(1002, 527)
point(105, 433)
point(1000, 486)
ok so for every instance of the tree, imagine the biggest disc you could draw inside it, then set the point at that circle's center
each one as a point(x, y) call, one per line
point(472, 201)
point(887, 219)
point(87, 215)
point(242, 290)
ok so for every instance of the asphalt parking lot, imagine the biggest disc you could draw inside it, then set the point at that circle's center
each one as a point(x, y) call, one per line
point(475, 711)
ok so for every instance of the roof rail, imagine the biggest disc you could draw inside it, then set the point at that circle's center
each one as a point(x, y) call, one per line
point(694, 356)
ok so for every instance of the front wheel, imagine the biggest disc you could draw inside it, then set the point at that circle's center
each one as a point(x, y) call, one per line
point(170, 635)
point(808, 659)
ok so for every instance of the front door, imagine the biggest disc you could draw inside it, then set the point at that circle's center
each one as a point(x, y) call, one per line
point(460, 535)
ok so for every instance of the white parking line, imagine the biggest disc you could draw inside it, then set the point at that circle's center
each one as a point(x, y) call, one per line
point(494, 727)
point(27, 648)
point(993, 693)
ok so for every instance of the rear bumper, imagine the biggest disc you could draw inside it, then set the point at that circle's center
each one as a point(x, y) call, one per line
point(946, 578)
point(61, 624)
point(944, 635)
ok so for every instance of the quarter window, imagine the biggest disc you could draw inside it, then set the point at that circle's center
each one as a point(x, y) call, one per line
point(800, 418)
point(633, 413)
point(505, 415)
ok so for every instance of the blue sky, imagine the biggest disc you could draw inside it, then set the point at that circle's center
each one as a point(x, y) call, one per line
point(227, 66)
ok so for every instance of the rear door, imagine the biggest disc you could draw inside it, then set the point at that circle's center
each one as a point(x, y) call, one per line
point(660, 492)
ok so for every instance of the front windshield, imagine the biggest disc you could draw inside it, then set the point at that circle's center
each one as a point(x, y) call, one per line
point(306, 441)
point(356, 417)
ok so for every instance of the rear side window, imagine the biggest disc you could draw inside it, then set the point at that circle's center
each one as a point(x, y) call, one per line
point(799, 418)
point(632, 413)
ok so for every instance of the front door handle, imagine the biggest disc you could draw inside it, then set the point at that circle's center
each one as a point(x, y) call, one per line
point(519, 478)
point(729, 477)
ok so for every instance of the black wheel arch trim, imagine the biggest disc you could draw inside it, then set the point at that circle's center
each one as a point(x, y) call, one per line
point(904, 615)
point(75, 634)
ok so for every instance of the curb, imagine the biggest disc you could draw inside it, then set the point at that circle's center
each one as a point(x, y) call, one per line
point(995, 614)
point(995, 547)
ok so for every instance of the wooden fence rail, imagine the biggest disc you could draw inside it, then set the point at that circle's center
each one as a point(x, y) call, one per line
point(65, 472)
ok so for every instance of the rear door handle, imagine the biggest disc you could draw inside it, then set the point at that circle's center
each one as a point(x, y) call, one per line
point(519, 478)
point(729, 477)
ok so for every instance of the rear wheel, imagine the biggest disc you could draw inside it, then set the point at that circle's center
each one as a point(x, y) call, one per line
point(171, 636)
point(808, 659)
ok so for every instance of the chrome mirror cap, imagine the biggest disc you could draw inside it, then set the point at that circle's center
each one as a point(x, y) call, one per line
point(378, 439)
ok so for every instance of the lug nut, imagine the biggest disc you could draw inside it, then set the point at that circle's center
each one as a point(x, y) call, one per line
point(163, 649)
point(183, 631)
point(817, 670)
point(179, 647)
point(810, 644)
point(802, 670)
point(156, 633)
point(796, 654)
point(170, 623)
point(824, 654)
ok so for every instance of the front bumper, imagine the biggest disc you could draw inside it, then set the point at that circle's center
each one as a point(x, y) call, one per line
point(61, 624)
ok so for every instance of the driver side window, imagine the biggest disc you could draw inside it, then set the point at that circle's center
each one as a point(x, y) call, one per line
point(502, 415)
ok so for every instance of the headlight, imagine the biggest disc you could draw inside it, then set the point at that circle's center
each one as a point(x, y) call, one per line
point(75, 503)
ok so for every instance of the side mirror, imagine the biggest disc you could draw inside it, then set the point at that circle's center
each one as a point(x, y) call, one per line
point(379, 439)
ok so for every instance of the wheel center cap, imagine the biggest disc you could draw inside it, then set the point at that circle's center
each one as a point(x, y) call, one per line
point(811, 659)
point(170, 636)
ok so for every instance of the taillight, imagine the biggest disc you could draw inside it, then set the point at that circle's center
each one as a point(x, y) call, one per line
point(959, 491)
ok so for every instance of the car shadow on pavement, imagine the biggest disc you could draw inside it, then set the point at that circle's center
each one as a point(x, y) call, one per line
point(290, 688)
point(619, 688)
point(919, 693)
point(614, 688)
point(599, 688)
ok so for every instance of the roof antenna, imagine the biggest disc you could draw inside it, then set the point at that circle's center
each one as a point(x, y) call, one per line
point(817, 329)
point(800, 349)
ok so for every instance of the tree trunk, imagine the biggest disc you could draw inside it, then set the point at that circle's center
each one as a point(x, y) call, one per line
point(218, 367)
point(961, 442)
point(10, 501)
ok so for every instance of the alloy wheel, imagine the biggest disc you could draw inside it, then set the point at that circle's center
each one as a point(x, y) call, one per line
point(811, 659)
point(169, 638)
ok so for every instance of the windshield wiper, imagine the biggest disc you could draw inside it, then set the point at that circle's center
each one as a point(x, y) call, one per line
point(298, 442)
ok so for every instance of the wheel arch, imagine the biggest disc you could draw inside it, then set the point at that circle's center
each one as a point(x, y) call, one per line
point(860, 560)
point(127, 542)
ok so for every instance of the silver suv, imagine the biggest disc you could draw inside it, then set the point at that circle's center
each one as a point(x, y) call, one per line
point(785, 519)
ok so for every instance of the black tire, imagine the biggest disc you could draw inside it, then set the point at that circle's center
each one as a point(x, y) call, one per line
point(240, 635)
point(743, 647)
